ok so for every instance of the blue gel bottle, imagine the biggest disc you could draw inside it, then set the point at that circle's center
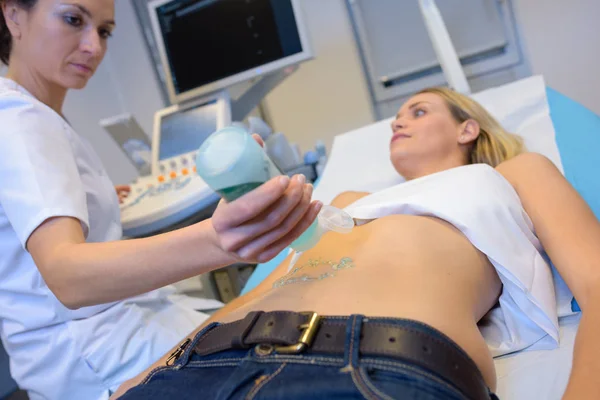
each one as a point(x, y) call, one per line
point(233, 164)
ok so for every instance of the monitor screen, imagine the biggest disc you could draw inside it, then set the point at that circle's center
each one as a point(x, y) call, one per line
point(209, 40)
point(184, 131)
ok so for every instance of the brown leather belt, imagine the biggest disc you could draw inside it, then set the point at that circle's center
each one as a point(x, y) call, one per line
point(293, 333)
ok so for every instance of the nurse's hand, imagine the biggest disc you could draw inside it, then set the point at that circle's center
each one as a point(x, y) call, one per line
point(122, 192)
point(259, 225)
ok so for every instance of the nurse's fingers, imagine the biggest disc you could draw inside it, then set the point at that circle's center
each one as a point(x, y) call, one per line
point(258, 139)
point(257, 245)
point(123, 192)
point(123, 188)
point(270, 252)
point(233, 238)
point(250, 205)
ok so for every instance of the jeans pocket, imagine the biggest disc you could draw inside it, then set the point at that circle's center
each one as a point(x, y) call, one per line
point(385, 383)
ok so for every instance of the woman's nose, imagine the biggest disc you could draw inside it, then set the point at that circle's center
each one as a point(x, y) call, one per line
point(92, 43)
point(398, 124)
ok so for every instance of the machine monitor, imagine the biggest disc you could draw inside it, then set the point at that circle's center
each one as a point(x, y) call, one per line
point(180, 130)
point(208, 45)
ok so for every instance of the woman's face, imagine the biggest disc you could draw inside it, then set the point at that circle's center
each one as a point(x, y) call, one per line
point(65, 40)
point(424, 131)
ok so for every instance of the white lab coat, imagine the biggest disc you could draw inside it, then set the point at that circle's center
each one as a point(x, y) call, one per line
point(47, 170)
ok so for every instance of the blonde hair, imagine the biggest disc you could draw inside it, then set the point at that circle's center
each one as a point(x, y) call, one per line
point(494, 144)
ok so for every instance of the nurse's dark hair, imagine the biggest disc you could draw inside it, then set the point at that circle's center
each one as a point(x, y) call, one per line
point(5, 36)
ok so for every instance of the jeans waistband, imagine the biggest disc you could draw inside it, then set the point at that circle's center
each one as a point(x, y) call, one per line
point(353, 336)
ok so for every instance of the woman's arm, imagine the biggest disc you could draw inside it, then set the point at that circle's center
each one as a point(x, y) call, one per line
point(253, 228)
point(570, 234)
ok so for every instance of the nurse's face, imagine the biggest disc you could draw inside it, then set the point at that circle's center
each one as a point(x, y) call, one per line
point(65, 40)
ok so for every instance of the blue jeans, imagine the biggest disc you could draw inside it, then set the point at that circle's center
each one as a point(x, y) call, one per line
point(260, 373)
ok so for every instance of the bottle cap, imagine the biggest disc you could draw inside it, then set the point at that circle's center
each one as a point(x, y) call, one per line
point(335, 219)
point(221, 151)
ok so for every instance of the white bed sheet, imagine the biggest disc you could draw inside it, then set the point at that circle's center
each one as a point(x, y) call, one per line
point(359, 161)
point(538, 374)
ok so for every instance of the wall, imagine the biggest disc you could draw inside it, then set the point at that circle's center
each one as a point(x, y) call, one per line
point(329, 94)
point(562, 40)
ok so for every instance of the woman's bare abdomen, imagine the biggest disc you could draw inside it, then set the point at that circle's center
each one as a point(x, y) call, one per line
point(413, 267)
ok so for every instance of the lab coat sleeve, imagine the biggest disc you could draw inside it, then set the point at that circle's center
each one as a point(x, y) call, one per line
point(39, 178)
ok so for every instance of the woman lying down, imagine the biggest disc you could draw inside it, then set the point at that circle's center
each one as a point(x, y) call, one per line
point(443, 272)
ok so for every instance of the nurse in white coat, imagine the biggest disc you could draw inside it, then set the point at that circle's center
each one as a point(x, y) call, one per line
point(81, 311)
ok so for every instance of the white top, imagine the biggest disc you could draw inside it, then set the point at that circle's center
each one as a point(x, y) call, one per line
point(47, 170)
point(484, 206)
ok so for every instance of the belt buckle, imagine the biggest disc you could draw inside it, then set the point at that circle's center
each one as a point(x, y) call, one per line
point(309, 331)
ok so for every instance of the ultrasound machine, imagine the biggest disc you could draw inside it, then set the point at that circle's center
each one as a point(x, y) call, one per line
point(206, 47)
point(173, 192)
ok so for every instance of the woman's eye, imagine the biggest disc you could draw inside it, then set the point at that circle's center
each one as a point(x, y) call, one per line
point(419, 112)
point(73, 20)
point(105, 33)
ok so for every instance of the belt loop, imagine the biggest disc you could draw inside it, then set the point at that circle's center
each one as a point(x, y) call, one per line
point(353, 329)
point(237, 341)
point(184, 358)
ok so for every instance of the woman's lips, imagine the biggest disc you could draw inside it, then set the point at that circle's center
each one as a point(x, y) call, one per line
point(82, 68)
point(399, 136)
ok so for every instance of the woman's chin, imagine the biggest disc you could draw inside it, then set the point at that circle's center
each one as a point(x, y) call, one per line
point(80, 84)
point(74, 82)
point(399, 153)
point(400, 158)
